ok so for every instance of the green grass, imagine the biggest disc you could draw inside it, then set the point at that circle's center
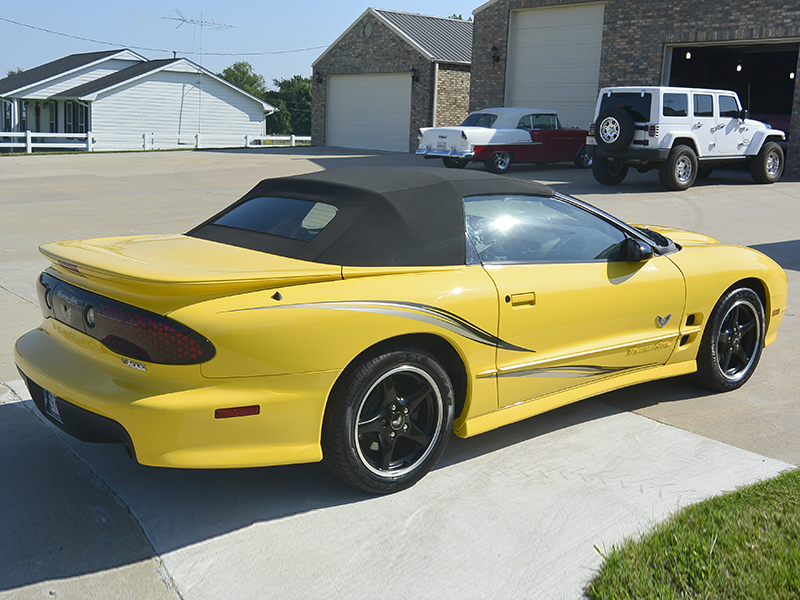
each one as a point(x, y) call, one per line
point(742, 545)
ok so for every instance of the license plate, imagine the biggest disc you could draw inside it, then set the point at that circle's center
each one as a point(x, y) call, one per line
point(50, 406)
point(590, 141)
point(441, 145)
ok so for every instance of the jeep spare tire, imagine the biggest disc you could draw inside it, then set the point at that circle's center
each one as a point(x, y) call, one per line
point(613, 129)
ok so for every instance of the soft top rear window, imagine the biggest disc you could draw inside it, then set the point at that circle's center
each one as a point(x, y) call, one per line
point(287, 217)
point(480, 120)
point(634, 102)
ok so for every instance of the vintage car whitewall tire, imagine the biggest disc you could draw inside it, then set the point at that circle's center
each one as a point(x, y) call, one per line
point(584, 160)
point(679, 171)
point(454, 163)
point(499, 162)
point(732, 341)
point(388, 419)
point(767, 165)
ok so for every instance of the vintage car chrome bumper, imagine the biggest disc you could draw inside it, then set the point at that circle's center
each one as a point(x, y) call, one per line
point(431, 153)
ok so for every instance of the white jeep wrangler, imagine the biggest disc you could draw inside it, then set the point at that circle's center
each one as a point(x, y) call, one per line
point(684, 132)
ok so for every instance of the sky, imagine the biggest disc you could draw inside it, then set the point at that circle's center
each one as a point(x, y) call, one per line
point(280, 38)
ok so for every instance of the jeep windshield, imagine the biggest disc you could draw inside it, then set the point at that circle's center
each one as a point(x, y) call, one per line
point(636, 103)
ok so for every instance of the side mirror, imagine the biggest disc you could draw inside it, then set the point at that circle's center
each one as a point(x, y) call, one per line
point(744, 114)
point(637, 251)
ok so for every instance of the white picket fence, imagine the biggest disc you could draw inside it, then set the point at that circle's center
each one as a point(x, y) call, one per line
point(147, 141)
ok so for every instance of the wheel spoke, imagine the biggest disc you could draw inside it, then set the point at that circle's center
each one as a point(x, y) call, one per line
point(389, 392)
point(725, 358)
point(416, 435)
point(387, 450)
point(372, 425)
point(412, 401)
point(742, 356)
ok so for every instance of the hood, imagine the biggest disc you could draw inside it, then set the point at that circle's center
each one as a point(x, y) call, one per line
point(682, 237)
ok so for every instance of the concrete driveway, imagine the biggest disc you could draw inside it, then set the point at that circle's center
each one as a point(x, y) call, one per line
point(519, 512)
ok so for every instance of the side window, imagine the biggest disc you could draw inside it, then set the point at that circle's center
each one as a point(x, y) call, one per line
point(703, 105)
point(543, 122)
point(728, 107)
point(676, 105)
point(525, 123)
point(535, 229)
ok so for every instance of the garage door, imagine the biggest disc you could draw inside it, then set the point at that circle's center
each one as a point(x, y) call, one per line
point(554, 60)
point(369, 111)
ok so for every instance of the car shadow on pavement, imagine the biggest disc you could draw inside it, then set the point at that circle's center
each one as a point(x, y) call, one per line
point(786, 254)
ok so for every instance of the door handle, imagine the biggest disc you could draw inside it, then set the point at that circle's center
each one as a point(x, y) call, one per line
point(520, 300)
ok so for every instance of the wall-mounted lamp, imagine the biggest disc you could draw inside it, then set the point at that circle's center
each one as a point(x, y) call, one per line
point(318, 77)
point(495, 54)
point(688, 56)
point(414, 76)
point(791, 75)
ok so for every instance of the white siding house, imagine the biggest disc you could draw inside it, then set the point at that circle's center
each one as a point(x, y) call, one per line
point(121, 101)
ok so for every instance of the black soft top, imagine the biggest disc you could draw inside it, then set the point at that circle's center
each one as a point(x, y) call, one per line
point(386, 216)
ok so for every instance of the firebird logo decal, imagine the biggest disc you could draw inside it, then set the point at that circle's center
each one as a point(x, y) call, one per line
point(662, 321)
point(410, 310)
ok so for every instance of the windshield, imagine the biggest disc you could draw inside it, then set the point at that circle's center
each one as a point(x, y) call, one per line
point(636, 103)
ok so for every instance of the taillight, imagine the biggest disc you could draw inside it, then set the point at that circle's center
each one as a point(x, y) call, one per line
point(464, 135)
point(124, 329)
point(653, 131)
point(146, 336)
point(591, 128)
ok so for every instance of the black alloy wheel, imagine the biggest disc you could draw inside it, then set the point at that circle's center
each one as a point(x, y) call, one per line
point(732, 342)
point(388, 420)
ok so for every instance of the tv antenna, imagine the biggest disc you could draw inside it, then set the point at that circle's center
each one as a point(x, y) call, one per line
point(202, 23)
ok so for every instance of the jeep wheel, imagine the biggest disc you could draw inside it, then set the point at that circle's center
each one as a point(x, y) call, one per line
point(608, 172)
point(679, 171)
point(584, 159)
point(613, 129)
point(767, 165)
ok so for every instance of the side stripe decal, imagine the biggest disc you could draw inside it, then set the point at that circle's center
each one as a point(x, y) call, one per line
point(410, 310)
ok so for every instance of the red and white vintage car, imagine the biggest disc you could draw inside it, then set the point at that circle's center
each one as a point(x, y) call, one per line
point(499, 137)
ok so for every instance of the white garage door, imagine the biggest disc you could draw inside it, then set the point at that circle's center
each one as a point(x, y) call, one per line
point(554, 60)
point(369, 111)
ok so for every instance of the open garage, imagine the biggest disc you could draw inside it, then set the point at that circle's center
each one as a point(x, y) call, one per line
point(763, 75)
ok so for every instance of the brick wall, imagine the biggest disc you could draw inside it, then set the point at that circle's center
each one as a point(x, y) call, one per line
point(383, 52)
point(635, 34)
point(452, 103)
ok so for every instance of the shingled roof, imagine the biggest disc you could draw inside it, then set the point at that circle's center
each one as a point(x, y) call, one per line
point(53, 69)
point(445, 40)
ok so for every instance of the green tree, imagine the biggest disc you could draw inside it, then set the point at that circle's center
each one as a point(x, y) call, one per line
point(242, 75)
point(459, 17)
point(279, 122)
point(11, 72)
point(295, 95)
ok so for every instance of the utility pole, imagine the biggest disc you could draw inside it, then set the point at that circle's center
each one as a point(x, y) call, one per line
point(202, 23)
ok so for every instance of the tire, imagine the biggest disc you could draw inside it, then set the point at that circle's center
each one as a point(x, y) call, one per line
point(584, 160)
point(608, 172)
point(454, 163)
point(388, 420)
point(613, 129)
point(499, 162)
point(679, 171)
point(732, 341)
point(767, 165)
point(704, 171)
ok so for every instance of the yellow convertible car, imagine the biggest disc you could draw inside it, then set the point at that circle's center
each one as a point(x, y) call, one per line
point(359, 316)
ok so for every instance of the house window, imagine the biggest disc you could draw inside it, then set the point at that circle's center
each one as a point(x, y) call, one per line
point(69, 107)
point(75, 117)
point(6, 116)
point(52, 109)
point(23, 115)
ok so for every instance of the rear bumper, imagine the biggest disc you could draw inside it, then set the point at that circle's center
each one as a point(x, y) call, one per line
point(168, 419)
point(430, 153)
point(633, 154)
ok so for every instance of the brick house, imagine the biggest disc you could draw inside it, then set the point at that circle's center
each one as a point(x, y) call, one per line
point(386, 76)
point(558, 53)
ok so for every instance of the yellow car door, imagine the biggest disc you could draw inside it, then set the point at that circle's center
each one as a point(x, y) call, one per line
point(574, 307)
